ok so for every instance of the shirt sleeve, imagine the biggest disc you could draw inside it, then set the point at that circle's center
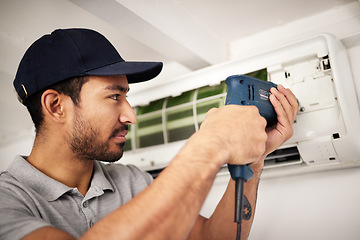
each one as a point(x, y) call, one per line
point(16, 214)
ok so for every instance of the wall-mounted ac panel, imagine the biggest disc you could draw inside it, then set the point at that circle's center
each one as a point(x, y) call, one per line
point(317, 70)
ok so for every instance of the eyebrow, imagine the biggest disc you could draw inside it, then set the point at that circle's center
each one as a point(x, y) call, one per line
point(117, 87)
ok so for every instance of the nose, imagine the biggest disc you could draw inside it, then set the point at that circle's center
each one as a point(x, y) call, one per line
point(127, 115)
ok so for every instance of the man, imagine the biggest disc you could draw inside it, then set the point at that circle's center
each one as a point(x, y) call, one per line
point(74, 84)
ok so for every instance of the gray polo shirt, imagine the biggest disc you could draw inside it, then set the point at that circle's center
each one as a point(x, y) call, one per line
point(30, 200)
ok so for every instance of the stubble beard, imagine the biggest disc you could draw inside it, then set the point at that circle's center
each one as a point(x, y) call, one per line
point(85, 144)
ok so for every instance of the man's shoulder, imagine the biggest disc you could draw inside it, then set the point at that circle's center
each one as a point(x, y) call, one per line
point(11, 177)
point(7, 180)
point(11, 189)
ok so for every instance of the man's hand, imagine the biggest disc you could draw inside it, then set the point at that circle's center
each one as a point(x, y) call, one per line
point(286, 107)
point(238, 132)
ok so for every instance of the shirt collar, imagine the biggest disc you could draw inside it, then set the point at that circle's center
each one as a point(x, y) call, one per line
point(49, 188)
point(99, 183)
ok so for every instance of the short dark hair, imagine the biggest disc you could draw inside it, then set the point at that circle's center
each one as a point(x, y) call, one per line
point(70, 87)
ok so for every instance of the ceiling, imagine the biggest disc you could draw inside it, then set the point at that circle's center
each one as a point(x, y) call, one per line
point(184, 34)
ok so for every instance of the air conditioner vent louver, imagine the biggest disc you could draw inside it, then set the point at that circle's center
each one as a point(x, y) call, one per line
point(283, 157)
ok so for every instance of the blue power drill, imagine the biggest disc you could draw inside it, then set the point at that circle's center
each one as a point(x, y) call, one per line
point(246, 90)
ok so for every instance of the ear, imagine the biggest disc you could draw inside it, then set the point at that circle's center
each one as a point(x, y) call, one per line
point(53, 105)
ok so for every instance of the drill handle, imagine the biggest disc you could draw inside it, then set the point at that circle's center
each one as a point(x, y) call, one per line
point(244, 172)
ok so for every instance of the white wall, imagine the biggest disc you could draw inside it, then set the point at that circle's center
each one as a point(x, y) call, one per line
point(323, 205)
point(21, 147)
point(314, 206)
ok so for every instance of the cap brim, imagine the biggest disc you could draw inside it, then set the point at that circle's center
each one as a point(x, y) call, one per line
point(135, 71)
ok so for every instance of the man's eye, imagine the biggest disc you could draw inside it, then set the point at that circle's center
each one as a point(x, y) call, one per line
point(115, 97)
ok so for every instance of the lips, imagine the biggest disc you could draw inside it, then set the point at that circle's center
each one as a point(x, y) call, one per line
point(120, 135)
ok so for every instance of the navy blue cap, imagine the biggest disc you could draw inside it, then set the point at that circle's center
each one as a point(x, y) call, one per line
point(75, 52)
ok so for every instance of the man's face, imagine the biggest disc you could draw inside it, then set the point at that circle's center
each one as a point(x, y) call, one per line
point(101, 120)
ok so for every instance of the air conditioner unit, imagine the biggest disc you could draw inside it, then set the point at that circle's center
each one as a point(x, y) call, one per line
point(317, 70)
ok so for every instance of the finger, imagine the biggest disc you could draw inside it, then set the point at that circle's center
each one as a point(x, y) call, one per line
point(282, 107)
point(289, 102)
point(290, 96)
point(282, 117)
